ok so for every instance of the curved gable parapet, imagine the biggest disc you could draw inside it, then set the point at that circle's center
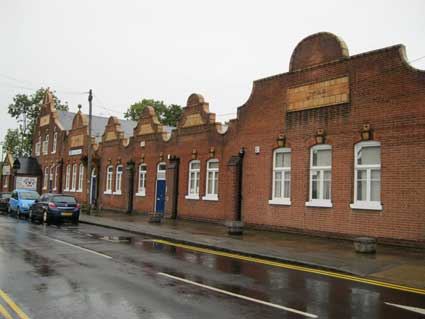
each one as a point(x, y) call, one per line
point(48, 105)
point(317, 49)
point(148, 123)
point(405, 60)
point(196, 113)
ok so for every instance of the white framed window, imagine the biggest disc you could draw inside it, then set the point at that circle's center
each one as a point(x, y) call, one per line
point(320, 176)
point(67, 177)
point(118, 180)
point(55, 142)
point(52, 173)
point(211, 192)
point(109, 173)
point(141, 191)
point(46, 177)
point(193, 185)
point(37, 146)
point(46, 145)
point(55, 178)
point(80, 177)
point(281, 187)
point(74, 178)
point(367, 176)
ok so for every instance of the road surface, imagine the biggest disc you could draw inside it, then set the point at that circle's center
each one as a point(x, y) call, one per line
point(87, 271)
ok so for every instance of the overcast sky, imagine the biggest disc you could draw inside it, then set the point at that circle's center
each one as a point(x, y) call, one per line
point(128, 50)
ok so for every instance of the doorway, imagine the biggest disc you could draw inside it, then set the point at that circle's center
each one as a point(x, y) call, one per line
point(160, 188)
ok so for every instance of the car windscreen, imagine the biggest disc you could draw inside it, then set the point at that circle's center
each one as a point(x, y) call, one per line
point(64, 199)
point(5, 195)
point(29, 195)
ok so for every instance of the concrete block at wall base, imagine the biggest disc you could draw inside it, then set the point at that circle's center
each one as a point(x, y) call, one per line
point(155, 218)
point(365, 244)
point(234, 227)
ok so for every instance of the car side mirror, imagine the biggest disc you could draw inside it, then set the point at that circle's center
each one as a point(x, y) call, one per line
point(36, 201)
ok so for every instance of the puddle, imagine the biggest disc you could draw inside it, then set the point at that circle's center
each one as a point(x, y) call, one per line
point(113, 239)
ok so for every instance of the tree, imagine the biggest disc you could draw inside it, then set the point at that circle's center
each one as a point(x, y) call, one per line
point(26, 109)
point(168, 115)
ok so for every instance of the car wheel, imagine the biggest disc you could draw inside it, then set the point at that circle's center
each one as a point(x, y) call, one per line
point(30, 216)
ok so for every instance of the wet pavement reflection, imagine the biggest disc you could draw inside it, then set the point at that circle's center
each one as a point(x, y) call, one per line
point(52, 280)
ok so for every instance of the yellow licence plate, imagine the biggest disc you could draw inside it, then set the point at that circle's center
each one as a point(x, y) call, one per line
point(66, 214)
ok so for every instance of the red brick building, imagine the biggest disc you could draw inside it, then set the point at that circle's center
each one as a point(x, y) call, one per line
point(335, 147)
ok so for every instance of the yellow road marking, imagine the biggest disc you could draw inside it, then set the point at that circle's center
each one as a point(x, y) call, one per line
point(13, 305)
point(296, 267)
point(4, 312)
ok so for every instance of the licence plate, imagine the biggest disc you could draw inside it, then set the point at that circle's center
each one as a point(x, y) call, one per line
point(66, 214)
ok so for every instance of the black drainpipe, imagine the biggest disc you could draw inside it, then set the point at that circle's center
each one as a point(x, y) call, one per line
point(240, 174)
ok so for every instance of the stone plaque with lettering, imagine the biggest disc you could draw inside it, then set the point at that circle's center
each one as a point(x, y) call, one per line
point(193, 120)
point(145, 129)
point(319, 94)
point(110, 136)
point(44, 120)
point(77, 140)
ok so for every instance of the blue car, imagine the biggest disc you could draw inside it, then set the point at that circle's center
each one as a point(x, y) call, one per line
point(21, 201)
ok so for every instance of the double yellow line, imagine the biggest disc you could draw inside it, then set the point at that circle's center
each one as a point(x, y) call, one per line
point(12, 305)
point(299, 268)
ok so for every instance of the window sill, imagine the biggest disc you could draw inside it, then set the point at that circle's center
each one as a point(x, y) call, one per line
point(107, 193)
point(195, 197)
point(72, 190)
point(280, 201)
point(117, 193)
point(367, 206)
point(210, 197)
point(140, 194)
point(319, 204)
point(79, 190)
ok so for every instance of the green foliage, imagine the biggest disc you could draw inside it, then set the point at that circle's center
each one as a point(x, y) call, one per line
point(168, 115)
point(26, 109)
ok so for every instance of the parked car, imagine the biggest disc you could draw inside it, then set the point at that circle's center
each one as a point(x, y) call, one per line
point(55, 209)
point(20, 202)
point(4, 200)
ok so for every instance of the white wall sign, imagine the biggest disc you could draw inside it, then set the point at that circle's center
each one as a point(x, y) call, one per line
point(77, 151)
point(6, 170)
point(25, 182)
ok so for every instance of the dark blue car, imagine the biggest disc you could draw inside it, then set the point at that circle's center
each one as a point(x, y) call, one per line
point(55, 209)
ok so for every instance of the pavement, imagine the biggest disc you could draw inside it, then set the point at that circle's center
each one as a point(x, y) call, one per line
point(397, 265)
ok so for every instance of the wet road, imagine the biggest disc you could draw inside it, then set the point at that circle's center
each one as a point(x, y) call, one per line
point(92, 272)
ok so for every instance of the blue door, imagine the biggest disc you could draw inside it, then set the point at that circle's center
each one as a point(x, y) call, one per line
point(93, 190)
point(160, 196)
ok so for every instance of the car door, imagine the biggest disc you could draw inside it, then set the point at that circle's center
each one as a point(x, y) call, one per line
point(13, 200)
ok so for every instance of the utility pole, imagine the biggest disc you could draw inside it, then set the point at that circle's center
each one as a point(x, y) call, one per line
point(89, 156)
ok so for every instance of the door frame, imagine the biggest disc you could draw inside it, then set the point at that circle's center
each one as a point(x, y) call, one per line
point(160, 179)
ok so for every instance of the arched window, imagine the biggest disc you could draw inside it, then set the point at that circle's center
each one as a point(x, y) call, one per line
point(193, 188)
point(281, 187)
point(211, 192)
point(74, 177)
point(320, 176)
point(80, 177)
point(367, 176)
point(109, 173)
point(55, 142)
point(142, 180)
point(118, 180)
point(55, 178)
point(46, 145)
point(52, 172)
point(46, 177)
point(67, 177)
